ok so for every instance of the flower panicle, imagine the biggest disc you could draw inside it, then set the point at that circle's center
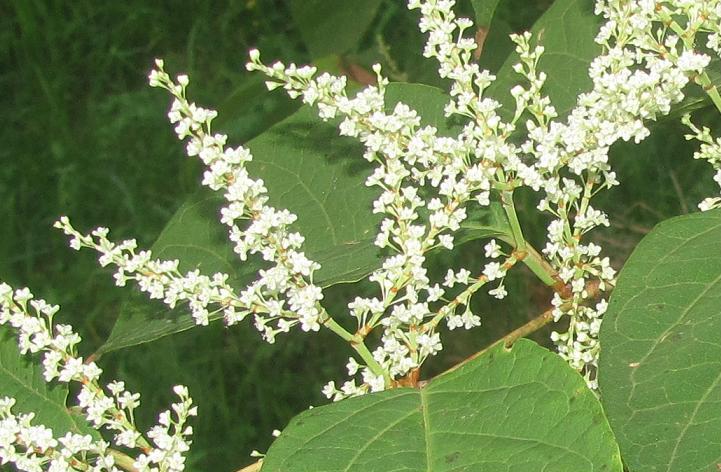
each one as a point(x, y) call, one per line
point(637, 78)
point(406, 156)
point(111, 407)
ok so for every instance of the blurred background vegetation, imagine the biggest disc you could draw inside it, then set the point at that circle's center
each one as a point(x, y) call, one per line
point(83, 135)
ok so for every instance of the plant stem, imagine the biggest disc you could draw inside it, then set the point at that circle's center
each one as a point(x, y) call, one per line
point(356, 342)
point(254, 467)
point(540, 266)
point(534, 325)
point(705, 82)
point(530, 256)
point(465, 296)
point(123, 461)
point(585, 201)
point(510, 209)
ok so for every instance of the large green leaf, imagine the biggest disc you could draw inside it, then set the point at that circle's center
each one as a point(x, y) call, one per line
point(332, 27)
point(317, 175)
point(660, 365)
point(566, 31)
point(23, 380)
point(518, 409)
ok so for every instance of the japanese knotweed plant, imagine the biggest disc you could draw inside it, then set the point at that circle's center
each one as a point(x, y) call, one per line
point(512, 407)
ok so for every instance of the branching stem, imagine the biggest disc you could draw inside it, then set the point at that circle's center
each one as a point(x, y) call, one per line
point(356, 342)
point(531, 257)
point(532, 326)
point(510, 209)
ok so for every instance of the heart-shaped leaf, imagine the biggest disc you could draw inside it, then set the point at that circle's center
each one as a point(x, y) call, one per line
point(518, 409)
point(660, 365)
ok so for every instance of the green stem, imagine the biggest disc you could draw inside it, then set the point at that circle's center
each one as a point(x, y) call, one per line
point(532, 326)
point(585, 201)
point(464, 297)
point(359, 346)
point(533, 260)
point(705, 82)
point(540, 266)
point(510, 209)
point(123, 461)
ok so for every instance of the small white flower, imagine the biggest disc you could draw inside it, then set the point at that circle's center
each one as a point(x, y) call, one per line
point(492, 249)
point(493, 271)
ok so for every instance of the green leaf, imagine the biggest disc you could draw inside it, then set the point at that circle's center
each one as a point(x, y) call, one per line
point(250, 98)
point(23, 380)
point(485, 10)
point(329, 27)
point(566, 31)
point(317, 175)
point(660, 365)
point(490, 222)
point(510, 409)
point(497, 46)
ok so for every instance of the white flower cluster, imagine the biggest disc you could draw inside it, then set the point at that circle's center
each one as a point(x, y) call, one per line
point(459, 170)
point(282, 297)
point(160, 279)
point(284, 294)
point(34, 447)
point(682, 23)
point(639, 76)
point(170, 436)
point(408, 157)
point(428, 182)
